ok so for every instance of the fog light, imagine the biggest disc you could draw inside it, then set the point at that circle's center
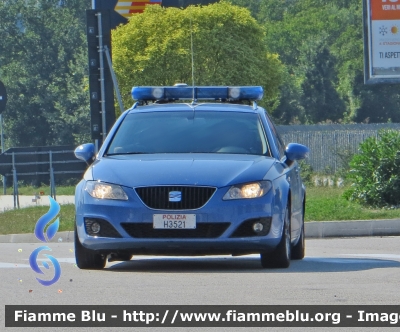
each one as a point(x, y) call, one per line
point(95, 227)
point(258, 227)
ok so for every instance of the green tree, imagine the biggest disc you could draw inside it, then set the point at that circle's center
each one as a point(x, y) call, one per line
point(154, 48)
point(252, 5)
point(43, 64)
point(317, 67)
point(302, 33)
point(321, 44)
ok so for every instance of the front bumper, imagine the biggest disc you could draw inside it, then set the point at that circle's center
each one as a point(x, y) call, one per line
point(122, 214)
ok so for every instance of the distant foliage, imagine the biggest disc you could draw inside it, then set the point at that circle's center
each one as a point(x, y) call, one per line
point(307, 54)
point(306, 172)
point(154, 48)
point(320, 42)
point(375, 171)
point(43, 64)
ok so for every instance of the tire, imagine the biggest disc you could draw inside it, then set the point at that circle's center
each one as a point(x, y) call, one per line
point(280, 257)
point(86, 258)
point(298, 251)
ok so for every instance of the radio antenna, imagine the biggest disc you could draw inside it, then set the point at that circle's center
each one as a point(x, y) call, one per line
point(191, 46)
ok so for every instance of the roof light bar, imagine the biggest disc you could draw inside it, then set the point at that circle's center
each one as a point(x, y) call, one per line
point(171, 93)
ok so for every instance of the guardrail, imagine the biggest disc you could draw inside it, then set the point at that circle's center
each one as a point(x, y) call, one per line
point(40, 165)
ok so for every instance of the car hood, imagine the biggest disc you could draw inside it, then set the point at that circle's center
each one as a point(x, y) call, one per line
point(217, 170)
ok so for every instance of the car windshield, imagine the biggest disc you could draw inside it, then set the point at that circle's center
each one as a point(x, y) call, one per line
point(190, 132)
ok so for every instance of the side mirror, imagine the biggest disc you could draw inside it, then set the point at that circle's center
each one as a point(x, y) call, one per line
point(85, 152)
point(296, 151)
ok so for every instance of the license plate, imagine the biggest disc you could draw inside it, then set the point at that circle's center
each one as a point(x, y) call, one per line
point(174, 221)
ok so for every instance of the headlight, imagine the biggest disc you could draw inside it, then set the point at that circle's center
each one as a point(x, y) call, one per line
point(105, 190)
point(248, 190)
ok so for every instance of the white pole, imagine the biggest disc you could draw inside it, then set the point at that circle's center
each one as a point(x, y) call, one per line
point(102, 86)
point(2, 151)
point(2, 136)
point(96, 141)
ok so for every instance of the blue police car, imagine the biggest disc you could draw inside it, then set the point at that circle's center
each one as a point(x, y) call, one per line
point(207, 176)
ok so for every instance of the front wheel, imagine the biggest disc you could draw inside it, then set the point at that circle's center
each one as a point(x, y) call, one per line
point(280, 257)
point(86, 258)
point(298, 251)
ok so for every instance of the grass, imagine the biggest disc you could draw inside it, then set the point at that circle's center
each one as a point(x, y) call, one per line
point(24, 220)
point(30, 190)
point(323, 204)
point(327, 204)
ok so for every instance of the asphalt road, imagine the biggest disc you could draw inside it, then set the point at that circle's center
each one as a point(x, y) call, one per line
point(357, 271)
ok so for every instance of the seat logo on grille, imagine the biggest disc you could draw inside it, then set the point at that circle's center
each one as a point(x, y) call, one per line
point(175, 196)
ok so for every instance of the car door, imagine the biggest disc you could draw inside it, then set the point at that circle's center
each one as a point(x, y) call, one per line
point(294, 180)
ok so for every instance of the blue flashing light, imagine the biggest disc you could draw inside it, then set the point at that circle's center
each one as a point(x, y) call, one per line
point(171, 93)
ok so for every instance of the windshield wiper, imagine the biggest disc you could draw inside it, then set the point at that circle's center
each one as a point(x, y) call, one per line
point(125, 153)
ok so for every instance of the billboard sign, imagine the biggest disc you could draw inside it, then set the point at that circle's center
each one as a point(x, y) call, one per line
point(128, 8)
point(382, 41)
point(121, 10)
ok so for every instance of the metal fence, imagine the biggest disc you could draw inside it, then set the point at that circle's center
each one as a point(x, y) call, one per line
point(38, 165)
point(331, 145)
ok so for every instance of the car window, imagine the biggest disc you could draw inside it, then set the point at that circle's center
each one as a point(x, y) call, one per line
point(279, 142)
point(190, 132)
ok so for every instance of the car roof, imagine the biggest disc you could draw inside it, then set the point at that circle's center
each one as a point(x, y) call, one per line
point(220, 107)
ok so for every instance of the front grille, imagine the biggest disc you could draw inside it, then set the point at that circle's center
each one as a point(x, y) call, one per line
point(202, 230)
point(158, 197)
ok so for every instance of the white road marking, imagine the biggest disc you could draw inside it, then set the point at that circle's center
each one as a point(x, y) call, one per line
point(60, 260)
point(12, 265)
point(375, 256)
point(338, 260)
point(18, 265)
